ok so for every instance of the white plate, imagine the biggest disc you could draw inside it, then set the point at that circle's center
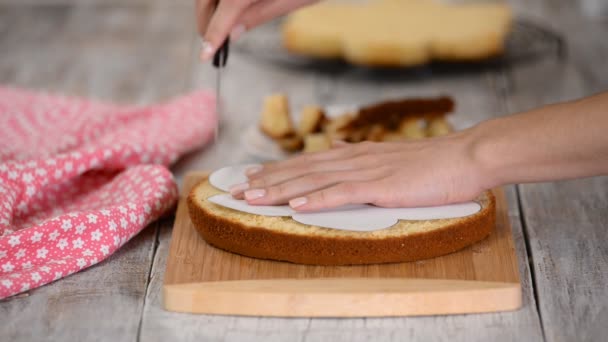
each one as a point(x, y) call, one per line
point(259, 145)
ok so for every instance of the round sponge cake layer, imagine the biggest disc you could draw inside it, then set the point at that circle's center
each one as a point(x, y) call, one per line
point(282, 238)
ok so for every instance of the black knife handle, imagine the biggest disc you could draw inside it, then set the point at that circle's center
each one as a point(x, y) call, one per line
point(221, 55)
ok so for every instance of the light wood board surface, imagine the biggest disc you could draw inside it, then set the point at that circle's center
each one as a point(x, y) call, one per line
point(141, 51)
point(204, 279)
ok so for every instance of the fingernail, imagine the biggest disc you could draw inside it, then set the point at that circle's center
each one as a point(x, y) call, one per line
point(251, 195)
point(238, 188)
point(250, 171)
point(297, 202)
point(237, 31)
point(206, 50)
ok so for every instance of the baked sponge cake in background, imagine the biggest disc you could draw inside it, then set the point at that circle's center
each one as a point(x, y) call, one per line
point(285, 239)
point(398, 33)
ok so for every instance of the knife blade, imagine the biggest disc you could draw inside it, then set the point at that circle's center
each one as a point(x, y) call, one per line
point(219, 61)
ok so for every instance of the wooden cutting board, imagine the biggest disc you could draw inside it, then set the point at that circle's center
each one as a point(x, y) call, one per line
point(203, 279)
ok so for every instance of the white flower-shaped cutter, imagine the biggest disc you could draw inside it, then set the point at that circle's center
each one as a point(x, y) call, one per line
point(360, 217)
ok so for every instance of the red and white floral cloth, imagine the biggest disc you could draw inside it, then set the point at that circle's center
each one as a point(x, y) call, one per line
point(79, 178)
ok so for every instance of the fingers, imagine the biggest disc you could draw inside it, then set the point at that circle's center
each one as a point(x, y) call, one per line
point(282, 175)
point(271, 176)
point(308, 176)
point(283, 192)
point(338, 195)
point(204, 11)
point(285, 174)
point(341, 152)
point(265, 10)
point(345, 158)
point(223, 20)
point(360, 164)
point(303, 159)
point(234, 17)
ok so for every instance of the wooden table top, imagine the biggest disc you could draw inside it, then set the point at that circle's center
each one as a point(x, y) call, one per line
point(143, 51)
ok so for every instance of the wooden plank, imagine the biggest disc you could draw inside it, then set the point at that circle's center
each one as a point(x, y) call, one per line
point(566, 222)
point(245, 83)
point(342, 297)
point(108, 53)
point(116, 54)
point(481, 278)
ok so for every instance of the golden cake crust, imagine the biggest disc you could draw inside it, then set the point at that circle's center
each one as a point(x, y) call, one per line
point(333, 247)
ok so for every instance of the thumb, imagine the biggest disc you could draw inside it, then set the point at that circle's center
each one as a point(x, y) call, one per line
point(222, 21)
point(204, 11)
point(266, 10)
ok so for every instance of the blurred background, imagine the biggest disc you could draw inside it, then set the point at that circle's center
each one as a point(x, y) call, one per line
point(145, 51)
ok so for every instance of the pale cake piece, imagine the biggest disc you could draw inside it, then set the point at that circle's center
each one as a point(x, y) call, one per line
point(316, 142)
point(411, 128)
point(283, 239)
point(333, 128)
point(398, 33)
point(311, 119)
point(438, 126)
point(275, 120)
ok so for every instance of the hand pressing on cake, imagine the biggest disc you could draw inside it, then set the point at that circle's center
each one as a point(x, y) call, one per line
point(406, 174)
point(218, 19)
point(556, 142)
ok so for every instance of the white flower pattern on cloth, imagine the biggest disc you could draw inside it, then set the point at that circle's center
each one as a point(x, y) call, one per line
point(78, 179)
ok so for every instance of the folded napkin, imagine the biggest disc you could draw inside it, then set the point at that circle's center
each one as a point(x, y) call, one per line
point(78, 178)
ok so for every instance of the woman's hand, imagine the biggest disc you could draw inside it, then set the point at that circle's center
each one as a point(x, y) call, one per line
point(408, 174)
point(235, 17)
point(556, 142)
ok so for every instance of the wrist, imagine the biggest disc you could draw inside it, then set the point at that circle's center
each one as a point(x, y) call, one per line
point(483, 150)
